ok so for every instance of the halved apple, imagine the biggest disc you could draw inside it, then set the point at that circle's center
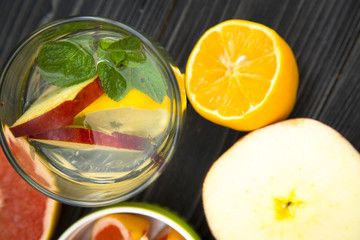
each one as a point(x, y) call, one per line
point(296, 179)
point(57, 107)
point(121, 226)
point(75, 137)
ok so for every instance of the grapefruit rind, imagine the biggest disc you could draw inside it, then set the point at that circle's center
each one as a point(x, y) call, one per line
point(51, 207)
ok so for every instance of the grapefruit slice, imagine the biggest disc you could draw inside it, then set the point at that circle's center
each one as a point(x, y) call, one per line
point(25, 213)
point(121, 226)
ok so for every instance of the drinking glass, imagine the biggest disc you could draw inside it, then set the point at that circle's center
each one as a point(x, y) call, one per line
point(87, 174)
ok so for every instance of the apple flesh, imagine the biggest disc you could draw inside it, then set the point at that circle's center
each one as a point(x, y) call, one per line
point(57, 108)
point(296, 179)
point(121, 226)
point(73, 136)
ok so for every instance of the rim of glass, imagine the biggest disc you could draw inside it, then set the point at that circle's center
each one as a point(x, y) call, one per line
point(175, 121)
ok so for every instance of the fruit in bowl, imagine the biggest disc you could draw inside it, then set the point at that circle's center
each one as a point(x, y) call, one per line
point(131, 220)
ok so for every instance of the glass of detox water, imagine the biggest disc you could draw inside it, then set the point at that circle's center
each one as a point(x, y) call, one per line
point(91, 110)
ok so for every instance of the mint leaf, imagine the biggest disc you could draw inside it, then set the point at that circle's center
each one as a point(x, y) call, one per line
point(123, 52)
point(127, 43)
point(112, 81)
point(147, 78)
point(65, 63)
point(104, 43)
point(137, 56)
point(118, 56)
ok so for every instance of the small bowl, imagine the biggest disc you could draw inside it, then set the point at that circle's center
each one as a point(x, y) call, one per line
point(158, 217)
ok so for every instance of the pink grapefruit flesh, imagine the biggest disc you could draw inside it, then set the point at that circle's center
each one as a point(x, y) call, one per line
point(120, 227)
point(25, 213)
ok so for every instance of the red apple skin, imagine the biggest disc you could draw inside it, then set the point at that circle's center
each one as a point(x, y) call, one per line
point(88, 136)
point(62, 114)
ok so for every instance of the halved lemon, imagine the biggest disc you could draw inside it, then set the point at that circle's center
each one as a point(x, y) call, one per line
point(180, 79)
point(242, 75)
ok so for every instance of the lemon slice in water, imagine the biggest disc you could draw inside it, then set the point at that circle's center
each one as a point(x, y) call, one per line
point(136, 114)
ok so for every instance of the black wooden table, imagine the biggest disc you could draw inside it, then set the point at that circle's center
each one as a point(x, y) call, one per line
point(324, 35)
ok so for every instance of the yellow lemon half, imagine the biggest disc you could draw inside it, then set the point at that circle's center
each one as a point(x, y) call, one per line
point(242, 75)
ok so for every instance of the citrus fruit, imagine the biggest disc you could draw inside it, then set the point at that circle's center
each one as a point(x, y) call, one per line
point(158, 216)
point(180, 80)
point(120, 226)
point(136, 114)
point(168, 233)
point(242, 75)
point(25, 213)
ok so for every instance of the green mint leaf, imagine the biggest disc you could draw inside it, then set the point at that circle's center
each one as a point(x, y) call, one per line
point(127, 43)
point(123, 52)
point(112, 81)
point(147, 78)
point(103, 56)
point(123, 64)
point(104, 43)
point(118, 56)
point(65, 63)
point(137, 56)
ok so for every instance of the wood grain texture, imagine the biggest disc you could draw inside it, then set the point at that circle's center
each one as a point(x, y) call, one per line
point(323, 34)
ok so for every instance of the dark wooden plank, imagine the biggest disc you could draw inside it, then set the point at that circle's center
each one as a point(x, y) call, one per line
point(324, 35)
point(342, 108)
point(188, 21)
point(14, 28)
point(154, 16)
point(321, 49)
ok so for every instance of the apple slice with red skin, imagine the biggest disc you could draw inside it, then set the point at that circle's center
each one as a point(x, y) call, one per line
point(69, 136)
point(57, 114)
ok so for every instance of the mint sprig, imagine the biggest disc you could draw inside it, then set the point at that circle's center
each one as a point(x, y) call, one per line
point(121, 65)
point(124, 52)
